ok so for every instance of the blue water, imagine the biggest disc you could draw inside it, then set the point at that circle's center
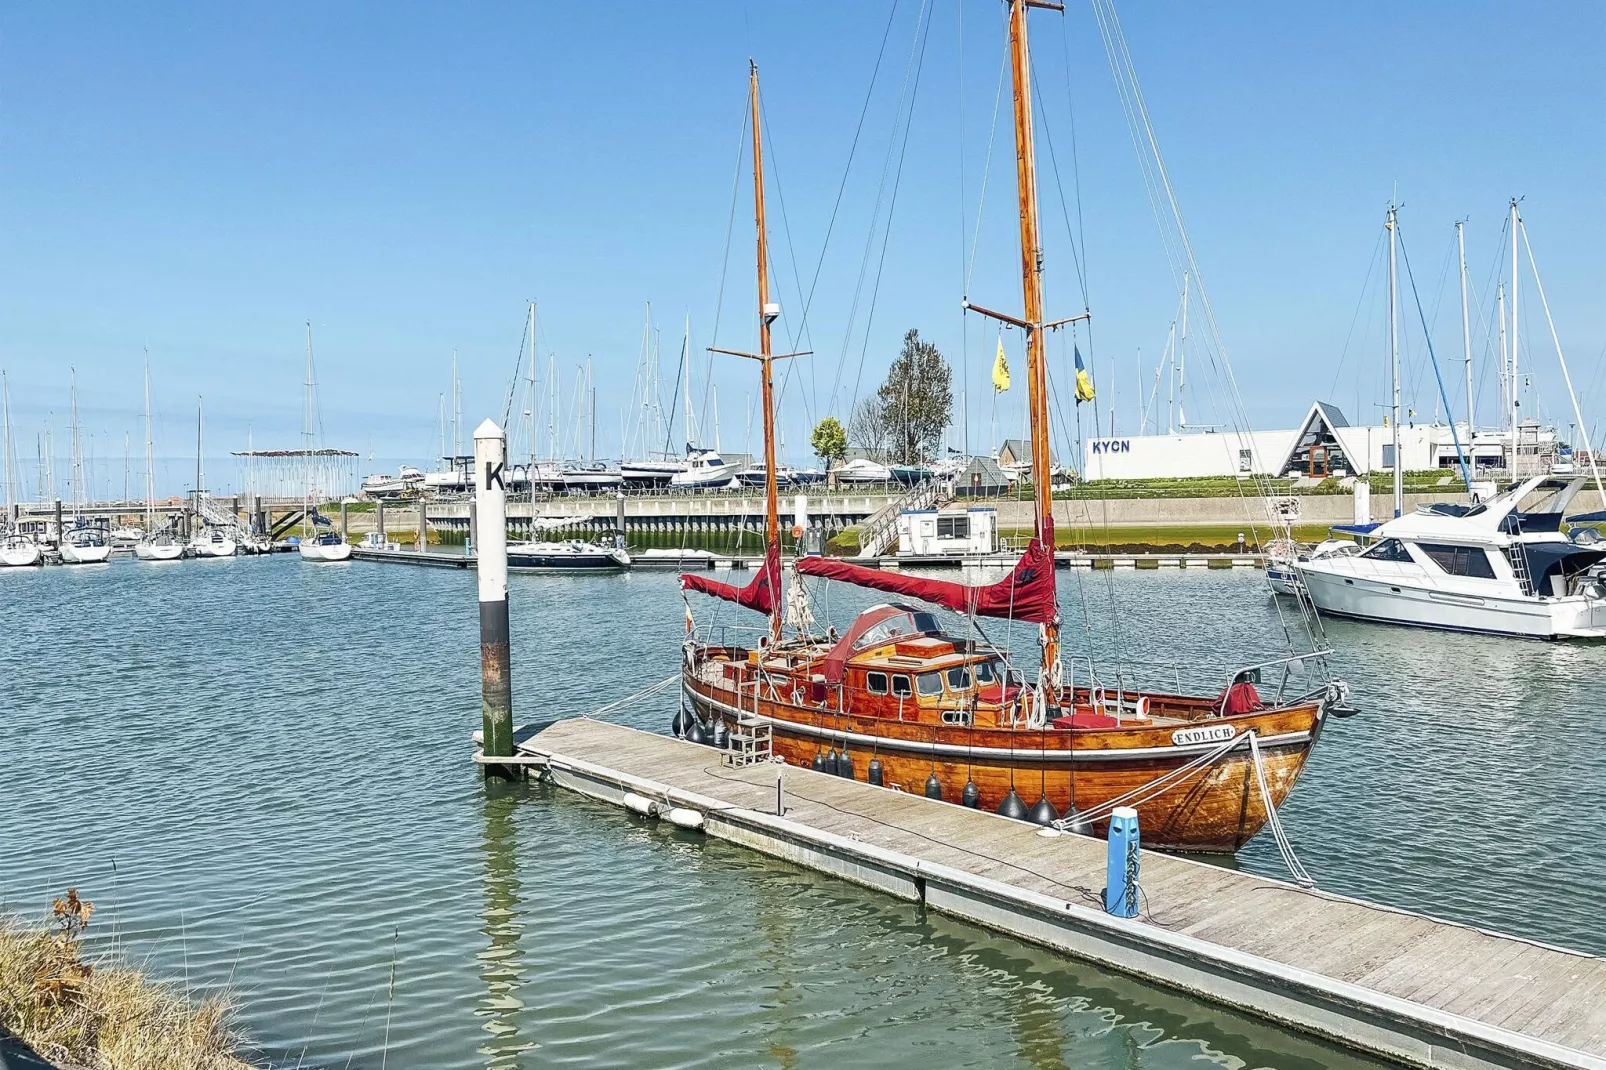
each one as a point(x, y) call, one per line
point(259, 770)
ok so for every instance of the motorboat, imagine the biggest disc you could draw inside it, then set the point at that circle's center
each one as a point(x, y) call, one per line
point(404, 484)
point(573, 555)
point(125, 538)
point(213, 542)
point(1493, 567)
point(863, 470)
point(160, 545)
point(591, 479)
point(909, 474)
point(18, 550)
point(705, 469)
point(753, 476)
point(1282, 556)
point(85, 546)
point(650, 473)
point(375, 541)
point(324, 546)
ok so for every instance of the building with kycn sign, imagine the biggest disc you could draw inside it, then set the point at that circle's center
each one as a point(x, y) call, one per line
point(1324, 444)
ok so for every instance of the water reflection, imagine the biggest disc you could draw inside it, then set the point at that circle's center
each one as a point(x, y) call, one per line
point(501, 960)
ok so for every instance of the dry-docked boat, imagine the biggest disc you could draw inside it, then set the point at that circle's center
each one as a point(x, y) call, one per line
point(903, 702)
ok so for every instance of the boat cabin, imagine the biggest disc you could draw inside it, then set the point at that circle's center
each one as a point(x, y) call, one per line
point(948, 532)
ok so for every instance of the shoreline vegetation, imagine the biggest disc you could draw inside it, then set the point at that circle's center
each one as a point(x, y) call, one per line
point(102, 1015)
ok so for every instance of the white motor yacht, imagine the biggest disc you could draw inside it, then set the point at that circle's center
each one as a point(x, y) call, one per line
point(1493, 567)
point(704, 469)
point(18, 550)
point(85, 546)
point(650, 473)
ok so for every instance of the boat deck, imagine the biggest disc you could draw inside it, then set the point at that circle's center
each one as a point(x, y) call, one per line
point(1401, 985)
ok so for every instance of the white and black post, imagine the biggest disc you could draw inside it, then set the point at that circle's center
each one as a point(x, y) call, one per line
point(496, 669)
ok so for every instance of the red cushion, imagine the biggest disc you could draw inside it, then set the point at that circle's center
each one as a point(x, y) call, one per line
point(1085, 719)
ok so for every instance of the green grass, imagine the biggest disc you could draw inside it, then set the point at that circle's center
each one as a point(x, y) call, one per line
point(1423, 482)
point(1166, 538)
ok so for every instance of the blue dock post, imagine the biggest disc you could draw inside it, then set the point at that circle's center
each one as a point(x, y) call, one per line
point(1121, 865)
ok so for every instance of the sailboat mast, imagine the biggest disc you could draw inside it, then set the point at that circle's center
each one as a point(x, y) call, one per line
point(5, 407)
point(1500, 318)
point(1032, 291)
point(1394, 362)
point(772, 521)
point(1182, 358)
point(1516, 393)
point(200, 477)
point(1466, 328)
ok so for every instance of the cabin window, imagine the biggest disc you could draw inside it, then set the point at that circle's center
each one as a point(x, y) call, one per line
point(1460, 560)
point(876, 682)
point(959, 678)
point(900, 686)
point(929, 683)
point(1388, 550)
point(986, 672)
point(953, 527)
point(956, 717)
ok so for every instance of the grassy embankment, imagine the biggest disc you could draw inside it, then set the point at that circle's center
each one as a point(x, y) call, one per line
point(102, 1016)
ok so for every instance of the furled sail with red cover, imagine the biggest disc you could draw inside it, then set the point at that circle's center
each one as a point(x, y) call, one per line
point(1027, 593)
point(762, 594)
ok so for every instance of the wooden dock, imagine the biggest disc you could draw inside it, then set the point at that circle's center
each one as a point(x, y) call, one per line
point(1404, 986)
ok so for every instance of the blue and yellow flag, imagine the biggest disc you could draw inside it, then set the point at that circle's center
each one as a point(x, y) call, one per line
point(1000, 369)
point(1084, 382)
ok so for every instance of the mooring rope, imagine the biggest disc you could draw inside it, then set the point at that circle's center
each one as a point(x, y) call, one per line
point(646, 692)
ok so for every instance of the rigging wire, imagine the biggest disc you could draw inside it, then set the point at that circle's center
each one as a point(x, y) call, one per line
point(724, 269)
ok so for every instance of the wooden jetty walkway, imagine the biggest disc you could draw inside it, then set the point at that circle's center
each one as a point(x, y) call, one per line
point(1404, 986)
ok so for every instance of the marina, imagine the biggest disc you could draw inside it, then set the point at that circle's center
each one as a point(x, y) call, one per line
point(900, 635)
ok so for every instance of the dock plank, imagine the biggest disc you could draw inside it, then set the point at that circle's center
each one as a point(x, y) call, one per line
point(1469, 998)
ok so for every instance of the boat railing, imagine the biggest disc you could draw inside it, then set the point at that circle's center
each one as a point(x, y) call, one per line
point(1119, 687)
point(1288, 665)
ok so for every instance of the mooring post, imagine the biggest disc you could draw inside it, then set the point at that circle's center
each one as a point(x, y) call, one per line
point(619, 517)
point(59, 539)
point(496, 670)
point(1121, 864)
point(345, 520)
point(423, 540)
point(379, 520)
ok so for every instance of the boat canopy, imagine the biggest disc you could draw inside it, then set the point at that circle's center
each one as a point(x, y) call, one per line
point(1546, 559)
point(877, 626)
point(759, 595)
point(1027, 593)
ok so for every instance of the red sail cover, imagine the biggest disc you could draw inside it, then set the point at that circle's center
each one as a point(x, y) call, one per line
point(759, 595)
point(1027, 593)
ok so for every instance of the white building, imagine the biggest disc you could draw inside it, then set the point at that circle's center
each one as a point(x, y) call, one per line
point(1323, 445)
point(952, 532)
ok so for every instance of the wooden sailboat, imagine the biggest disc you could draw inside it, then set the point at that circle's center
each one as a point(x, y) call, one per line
point(901, 702)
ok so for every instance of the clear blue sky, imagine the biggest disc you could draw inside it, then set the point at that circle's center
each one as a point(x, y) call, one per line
point(204, 179)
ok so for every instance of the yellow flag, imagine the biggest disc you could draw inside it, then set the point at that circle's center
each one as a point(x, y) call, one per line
point(1084, 382)
point(1000, 369)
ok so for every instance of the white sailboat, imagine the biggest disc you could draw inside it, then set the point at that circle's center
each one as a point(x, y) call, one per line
point(84, 544)
point(316, 545)
point(16, 548)
point(154, 545)
point(210, 541)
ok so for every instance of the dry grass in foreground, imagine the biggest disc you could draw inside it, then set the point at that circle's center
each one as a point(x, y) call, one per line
point(105, 1017)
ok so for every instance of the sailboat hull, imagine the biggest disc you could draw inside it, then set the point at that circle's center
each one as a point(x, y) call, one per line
point(210, 548)
point(20, 554)
point(147, 551)
point(321, 551)
point(1216, 809)
point(85, 555)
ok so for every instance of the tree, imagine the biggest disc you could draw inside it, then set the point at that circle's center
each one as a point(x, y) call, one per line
point(916, 401)
point(868, 429)
point(830, 441)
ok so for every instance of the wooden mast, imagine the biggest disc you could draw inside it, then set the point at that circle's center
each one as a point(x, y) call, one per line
point(772, 520)
point(1032, 291)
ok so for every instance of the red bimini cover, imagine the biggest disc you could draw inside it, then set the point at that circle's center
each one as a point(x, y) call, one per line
point(761, 594)
point(1027, 593)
